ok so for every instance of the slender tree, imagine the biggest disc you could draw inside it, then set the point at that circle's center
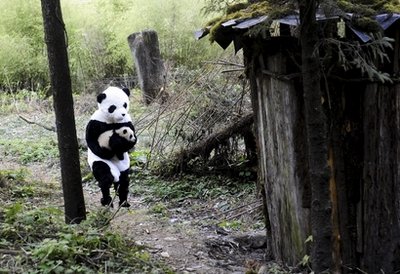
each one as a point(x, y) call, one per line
point(317, 144)
point(54, 31)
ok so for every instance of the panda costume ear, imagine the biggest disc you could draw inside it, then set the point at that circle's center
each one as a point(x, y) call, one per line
point(127, 91)
point(101, 97)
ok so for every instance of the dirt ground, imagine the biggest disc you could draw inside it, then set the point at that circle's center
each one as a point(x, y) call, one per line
point(184, 239)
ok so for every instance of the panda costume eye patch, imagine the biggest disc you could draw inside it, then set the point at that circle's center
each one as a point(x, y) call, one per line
point(125, 105)
point(112, 108)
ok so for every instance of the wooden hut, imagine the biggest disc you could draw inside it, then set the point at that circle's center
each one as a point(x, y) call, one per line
point(363, 117)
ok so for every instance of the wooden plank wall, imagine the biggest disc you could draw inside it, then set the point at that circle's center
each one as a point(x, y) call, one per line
point(281, 142)
point(380, 249)
point(364, 156)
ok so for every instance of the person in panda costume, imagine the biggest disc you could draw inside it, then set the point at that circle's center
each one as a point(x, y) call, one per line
point(110, 135)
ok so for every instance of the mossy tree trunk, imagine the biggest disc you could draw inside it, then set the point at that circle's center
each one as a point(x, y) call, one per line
point(60, 79)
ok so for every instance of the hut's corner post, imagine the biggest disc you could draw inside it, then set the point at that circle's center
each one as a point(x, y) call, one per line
point(277, 108)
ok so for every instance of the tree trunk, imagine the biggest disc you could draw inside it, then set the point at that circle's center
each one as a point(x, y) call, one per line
point(316, 129)
point(150, 70)
point(60, 79)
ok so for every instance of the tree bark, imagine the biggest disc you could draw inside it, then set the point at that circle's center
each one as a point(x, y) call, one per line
point(380, 236)
point(316, 129)
point(54, 31)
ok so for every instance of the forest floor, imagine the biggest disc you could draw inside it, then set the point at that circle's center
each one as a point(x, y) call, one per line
point(213, 224)
point(185, 235)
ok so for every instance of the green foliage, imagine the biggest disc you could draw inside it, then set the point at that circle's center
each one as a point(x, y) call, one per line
point(187, 187)
point(22, 62)
point(139, 158)
point(28, 151)
point(97, 34)
point(219, 6)
point(275, 268)
point(20, 65)
point(24, 101)
point(17, 185)
point(175, 28)
point(231, 225)
point(54, 247)
point(13, 176)
point(363, 56)
point(159, 208)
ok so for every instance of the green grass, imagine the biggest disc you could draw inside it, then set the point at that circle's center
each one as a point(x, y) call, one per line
point(50, 246)
point(154, 188)
point(40, 241)
point(29, 151)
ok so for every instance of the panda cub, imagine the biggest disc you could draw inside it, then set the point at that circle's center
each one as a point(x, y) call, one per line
point(125, 132)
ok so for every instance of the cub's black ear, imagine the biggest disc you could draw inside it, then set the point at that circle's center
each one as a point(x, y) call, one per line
point(127, 91)
point(101, 97)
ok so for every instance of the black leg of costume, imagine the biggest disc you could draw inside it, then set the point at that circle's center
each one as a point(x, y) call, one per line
point(123, 188)
point(102, 173)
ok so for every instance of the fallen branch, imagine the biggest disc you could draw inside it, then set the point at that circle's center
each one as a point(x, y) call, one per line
point(219, 215)
point(36, 123)
point(204, 147)
point(224, 63)
point(10, 251)
point(248, 211)
point(232, 70)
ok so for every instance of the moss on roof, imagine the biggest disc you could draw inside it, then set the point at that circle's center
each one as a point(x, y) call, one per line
point(246, 10)
point(363, 11)
point(369, 7)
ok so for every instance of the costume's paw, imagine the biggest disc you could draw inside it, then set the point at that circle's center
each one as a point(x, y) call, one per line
point(106, 201)
point(124, 204)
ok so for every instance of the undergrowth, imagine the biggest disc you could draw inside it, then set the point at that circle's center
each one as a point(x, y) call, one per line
point(35, 239)
point(154, 188)
point(28, 151)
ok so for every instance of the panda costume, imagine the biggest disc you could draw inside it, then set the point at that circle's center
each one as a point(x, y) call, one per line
point(110, 162)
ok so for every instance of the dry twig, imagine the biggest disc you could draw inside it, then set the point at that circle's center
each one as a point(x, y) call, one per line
point(36, 123)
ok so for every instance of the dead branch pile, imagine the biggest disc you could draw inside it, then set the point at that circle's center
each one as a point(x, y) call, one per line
point(207, 112)
point(213, 141)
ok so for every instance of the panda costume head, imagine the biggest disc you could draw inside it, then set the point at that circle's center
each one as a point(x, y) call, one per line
point(113, 106)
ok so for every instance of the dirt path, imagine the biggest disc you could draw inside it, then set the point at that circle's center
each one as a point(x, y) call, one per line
point(184, 236)
point(186, 244)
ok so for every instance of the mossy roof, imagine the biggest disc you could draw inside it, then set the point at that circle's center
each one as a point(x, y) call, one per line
point(360, 15)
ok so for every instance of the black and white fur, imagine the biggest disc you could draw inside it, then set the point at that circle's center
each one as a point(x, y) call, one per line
point(125, 132)
point(110, 164)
